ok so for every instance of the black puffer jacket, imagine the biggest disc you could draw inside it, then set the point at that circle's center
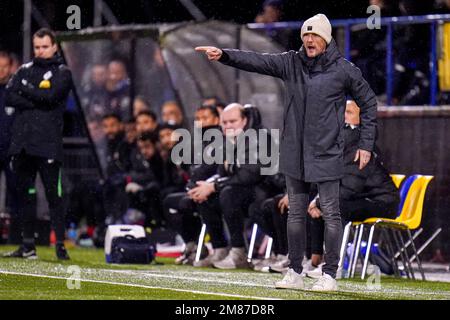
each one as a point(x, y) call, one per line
point(316, 90)
point(38, 124)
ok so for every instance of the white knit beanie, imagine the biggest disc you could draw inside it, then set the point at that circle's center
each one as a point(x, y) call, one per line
point(318, 24)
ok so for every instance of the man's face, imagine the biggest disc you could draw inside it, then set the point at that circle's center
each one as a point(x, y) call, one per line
point(111, 127)
point(232, 122)
point(206, 118)
point(146, 148)
point(43, 47)
point(116, 72)
point(130, 132)
point(165, 138)
point(5, 69)
point(271, 14)
point(138, 106)
point(144, 123)
point(313, 44)
point(172, 113)
point(352, 113)
point(98, 75)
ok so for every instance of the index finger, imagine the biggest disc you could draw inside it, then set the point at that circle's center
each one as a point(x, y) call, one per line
point(204, 48)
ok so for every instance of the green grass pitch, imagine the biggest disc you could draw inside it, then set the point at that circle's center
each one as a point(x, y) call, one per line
point(49, 279)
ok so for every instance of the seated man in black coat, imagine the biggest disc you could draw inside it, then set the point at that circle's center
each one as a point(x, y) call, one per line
point(142, 183)
point(229, 194)
point(117, 163)
point(179, 208)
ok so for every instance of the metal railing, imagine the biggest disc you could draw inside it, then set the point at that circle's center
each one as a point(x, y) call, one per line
point(389, 22)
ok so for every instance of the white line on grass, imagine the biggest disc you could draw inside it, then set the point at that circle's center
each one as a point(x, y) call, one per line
point(171, 276)
point(140, 286)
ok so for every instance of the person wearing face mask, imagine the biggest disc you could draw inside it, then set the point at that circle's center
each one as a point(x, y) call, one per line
point(317, 80)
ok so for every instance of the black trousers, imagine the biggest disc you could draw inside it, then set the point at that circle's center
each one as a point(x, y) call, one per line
point(232, 202)
point(362, 209)
point(148, 201)
point(115, 201)
point(298, 193)
point(25, 168)
point(179, 212)
point(274, 224)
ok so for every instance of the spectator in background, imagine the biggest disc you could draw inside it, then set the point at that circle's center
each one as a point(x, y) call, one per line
point(171, 113)
point(118, 90)
point(131, 132)
point(146, 121)
point(215, 102)
point(179, 208)
point(140, 104)
point(230, 193)
point(15, 62)
point(273, 11)
point(93, 99)
point(7, 115)
point(143, 181)
point(442, 6)
point(117, 166)
point(175, 176)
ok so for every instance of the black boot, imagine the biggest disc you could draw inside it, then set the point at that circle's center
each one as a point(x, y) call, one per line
point(61, 252)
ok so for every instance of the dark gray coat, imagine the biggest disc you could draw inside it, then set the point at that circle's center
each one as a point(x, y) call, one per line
point(313, 119)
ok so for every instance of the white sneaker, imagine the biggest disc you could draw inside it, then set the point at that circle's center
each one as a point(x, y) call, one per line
point(235, 259)
point(325, 283)
point(219, 254)
point(315, 272)
point(291, 280)
point(263, 265)
point(282, 265)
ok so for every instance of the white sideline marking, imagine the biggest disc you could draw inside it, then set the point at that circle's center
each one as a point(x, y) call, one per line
point(158, 275)
point(140, 286)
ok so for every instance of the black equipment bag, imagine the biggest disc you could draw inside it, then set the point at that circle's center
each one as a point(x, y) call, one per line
point(129, 249)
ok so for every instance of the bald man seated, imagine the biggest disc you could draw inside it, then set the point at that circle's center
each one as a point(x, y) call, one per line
point(229, 194)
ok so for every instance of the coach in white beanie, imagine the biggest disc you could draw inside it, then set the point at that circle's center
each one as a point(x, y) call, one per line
point(317, 80)
point(318, 24)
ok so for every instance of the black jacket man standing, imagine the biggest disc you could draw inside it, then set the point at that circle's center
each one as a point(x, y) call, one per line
point(38, 92)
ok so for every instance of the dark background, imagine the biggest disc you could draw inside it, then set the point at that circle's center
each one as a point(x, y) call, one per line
point(154, 11)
